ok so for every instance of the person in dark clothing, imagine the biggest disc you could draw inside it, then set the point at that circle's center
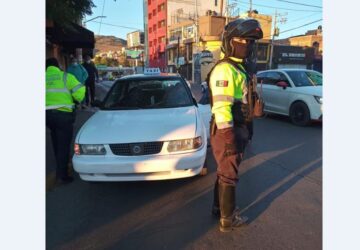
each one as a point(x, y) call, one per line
point(90, 81)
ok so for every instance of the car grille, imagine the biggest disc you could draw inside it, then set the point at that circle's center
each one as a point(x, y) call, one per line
point(142, 148)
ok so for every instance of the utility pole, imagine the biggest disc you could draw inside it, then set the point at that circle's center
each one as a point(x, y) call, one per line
point(196, 26)
point(275, 33)
point(227, 12)
point(250, 9)
point(221, 7)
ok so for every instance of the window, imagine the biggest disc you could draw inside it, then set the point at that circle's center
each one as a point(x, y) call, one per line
point(215, 2)
point(271, 78)
point(188, 32)
point(149, 2)
point(154, 12)
point(174, 34)
point(154, 27)
point(148, 94)
point(150, 44)
point(161, 7)
point(262, 52)
point(161, 24)
point(305, 78)
point(150, 16)
point(162, 39)
point(150, 30)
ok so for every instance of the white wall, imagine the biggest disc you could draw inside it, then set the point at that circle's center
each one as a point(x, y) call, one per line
point(188, 7)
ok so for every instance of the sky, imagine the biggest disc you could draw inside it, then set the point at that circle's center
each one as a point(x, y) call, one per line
point(125, 16)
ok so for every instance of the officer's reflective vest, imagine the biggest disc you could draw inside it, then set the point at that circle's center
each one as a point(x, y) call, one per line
point(228, 86)
point(62, 89)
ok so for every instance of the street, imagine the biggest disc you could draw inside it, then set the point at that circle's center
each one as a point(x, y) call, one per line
point(279, 189)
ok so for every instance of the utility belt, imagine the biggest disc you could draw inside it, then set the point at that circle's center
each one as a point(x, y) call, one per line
point(240, 113)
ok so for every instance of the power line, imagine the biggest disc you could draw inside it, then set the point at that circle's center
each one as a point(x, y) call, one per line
point(302, 26)
point(297, 27)
point(102, 14)
point(303, 4)
point(288, 21)
point(274, 7)
point(115, 25)
point(304, 17)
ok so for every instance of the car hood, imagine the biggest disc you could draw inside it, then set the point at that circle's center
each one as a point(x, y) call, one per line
point(126, 126)
point(309, 90)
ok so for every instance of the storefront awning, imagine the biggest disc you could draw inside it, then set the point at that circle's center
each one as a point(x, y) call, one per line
point(72, 36)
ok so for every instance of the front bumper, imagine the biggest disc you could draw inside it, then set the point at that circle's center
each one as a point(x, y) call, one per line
point(316, 111)
point(139, 168)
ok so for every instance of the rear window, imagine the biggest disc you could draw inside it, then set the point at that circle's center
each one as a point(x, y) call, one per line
point(305, 78)
point(148, 94)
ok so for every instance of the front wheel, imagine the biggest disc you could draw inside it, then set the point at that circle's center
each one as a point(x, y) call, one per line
point(300, 114)
point(204, 169)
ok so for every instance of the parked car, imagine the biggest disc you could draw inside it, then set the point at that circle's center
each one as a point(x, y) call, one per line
point(149, 127)
point(296, 93)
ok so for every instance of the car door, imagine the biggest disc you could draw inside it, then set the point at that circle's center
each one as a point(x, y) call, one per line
point(264, 89)
point(276, 98)
point(205, 110)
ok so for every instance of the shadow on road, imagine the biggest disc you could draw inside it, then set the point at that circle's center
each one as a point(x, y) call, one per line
point(176, 214)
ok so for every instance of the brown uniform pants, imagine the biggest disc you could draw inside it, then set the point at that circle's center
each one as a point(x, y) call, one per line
point(228, 149)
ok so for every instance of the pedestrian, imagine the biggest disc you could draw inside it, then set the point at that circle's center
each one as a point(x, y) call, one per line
point(229, 98)
point(90, 81)
point(63, 90)
point(78, 71)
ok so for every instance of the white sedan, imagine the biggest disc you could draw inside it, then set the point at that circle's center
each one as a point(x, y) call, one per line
point(296, 93)
point(147, 128)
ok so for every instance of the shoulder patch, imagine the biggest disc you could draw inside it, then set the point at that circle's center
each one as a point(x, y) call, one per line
point(222, 83)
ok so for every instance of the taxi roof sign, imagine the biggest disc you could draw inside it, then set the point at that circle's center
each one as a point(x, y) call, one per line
point(152, 71)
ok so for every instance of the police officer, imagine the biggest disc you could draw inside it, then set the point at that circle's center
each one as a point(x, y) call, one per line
point(229, 87)
point(62, 91)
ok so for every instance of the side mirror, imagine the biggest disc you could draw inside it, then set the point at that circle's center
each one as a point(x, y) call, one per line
point(97, 103)
point(282, 84)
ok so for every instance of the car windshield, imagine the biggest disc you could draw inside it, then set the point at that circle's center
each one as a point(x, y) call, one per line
point(305, 78)
point(148, 94)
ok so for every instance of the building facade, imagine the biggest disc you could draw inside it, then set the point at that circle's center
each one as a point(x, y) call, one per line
point(194, 60)
point(135, 48)
point(160, 14)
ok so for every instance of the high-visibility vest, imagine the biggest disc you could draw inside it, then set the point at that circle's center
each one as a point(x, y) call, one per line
point(228, 85)
point(62, 89)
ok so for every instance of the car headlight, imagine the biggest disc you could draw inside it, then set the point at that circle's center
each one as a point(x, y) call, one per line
point(89, 149)
point(319, 99)
point(186, 144)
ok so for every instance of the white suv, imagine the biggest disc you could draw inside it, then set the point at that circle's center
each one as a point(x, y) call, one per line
point(296, 93)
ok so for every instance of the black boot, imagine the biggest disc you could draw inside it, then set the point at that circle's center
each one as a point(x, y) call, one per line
point(216, 207)
point(230, 216)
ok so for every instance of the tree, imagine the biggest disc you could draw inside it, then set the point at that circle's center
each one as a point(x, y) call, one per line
point(104, 61)
point(65, 12)
point(97, 60)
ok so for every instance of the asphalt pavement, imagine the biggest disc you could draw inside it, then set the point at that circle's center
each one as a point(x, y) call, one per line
point(280, 190)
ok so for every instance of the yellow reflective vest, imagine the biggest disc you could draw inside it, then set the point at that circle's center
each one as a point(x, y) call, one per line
point(62, 89)
point(228, 85)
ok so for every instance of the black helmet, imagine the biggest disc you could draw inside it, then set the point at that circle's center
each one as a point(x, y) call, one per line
point(248, 29)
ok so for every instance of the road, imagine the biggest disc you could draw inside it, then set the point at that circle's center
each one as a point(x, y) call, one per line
point(280, 190)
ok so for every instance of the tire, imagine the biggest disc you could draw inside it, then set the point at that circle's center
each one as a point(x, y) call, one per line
point(300, 114)
point(204, 169)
